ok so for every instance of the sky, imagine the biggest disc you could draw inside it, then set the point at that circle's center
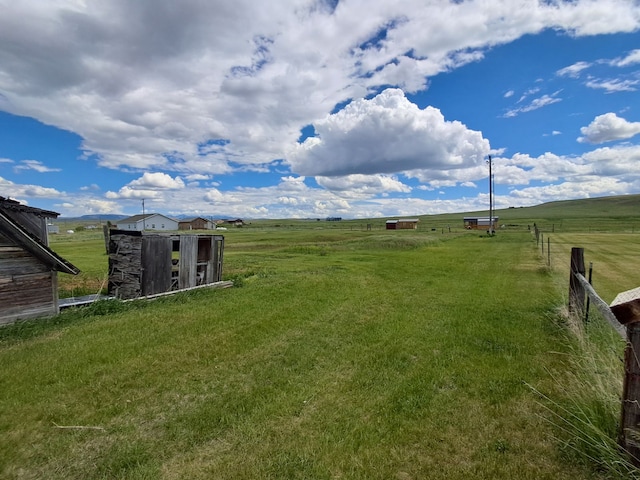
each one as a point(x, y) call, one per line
point(316, 108)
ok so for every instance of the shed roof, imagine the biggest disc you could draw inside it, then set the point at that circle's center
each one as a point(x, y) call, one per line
point(189, 220)
point(29, 242)
point(137, 218)
point(14, 205)
point(408, 220)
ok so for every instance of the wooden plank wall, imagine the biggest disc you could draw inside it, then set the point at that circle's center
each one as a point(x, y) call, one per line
point(216, 258)
point(156, 265)
point(188, 261)
point(26, 285)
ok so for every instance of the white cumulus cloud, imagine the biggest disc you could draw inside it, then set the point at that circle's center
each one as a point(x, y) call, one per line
point(357, 184)
point(387, 134)
point(608, 128)
point(157, 180)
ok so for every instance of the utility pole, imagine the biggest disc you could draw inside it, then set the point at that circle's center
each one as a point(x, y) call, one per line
point(143, 217)
point(490, 197)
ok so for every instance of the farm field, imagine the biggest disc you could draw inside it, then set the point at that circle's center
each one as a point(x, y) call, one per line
point(614, 257)
point(342, 352)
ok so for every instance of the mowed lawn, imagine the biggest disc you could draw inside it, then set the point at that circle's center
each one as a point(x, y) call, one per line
point(350, 355)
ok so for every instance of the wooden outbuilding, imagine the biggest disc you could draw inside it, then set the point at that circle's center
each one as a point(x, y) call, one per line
point(197, 223)
point(480, 223)
point(142, 264)
point(236, 222)
point(403, 224)
point(28, 267)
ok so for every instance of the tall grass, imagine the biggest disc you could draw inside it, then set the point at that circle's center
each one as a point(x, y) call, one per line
point(586, 410)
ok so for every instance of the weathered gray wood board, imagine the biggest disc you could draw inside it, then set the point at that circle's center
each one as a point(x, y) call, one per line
point(188, 261)
point(27, 287)
point(156, 265)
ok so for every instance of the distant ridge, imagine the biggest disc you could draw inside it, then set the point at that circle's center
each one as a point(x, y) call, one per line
point(619, 205)
point(89, 218)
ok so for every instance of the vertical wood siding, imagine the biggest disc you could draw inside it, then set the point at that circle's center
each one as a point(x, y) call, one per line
point(156, 265)
point(26, 285)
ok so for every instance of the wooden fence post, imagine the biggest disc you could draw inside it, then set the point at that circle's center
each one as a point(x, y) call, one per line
point(548, 251)
point(586, 313)
point(629, 431)
point(626, 308)
point(105, 232)
point(576, 290)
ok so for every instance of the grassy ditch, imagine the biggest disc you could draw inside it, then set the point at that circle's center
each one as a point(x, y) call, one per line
point(364, 355)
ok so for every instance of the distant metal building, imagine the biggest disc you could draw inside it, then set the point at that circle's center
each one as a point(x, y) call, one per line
point(480, 223)
point(403, 224)
point(142, 264)
point(28, 267)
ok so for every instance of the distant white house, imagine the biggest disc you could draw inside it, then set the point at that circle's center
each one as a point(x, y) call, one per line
point(149, 221)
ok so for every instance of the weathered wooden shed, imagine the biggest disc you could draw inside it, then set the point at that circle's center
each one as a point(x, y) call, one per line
point(480, 223)
point(142, 264)
point(403, 224)
point(197, 223)
point(28, 267)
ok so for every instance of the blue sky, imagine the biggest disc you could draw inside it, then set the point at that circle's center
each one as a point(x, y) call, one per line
point(311, 108)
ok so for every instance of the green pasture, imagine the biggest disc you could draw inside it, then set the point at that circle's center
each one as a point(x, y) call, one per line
point(614, 259)
point(87, 251)
point(343, 352)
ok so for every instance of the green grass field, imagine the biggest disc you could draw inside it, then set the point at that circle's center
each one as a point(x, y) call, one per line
point(341, 353)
